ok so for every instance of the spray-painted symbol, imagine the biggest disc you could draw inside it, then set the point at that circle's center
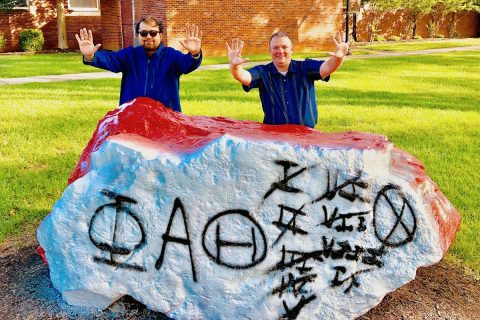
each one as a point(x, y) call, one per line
point(394, 219)
point(234, 239)
point(116, 229)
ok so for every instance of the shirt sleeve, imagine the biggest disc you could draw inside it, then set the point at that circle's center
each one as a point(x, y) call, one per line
point(108, 60)
point(313, 69)
point(255, 72)
point(185, 62)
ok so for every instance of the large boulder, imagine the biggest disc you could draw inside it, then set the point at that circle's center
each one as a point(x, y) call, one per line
point(211, 218)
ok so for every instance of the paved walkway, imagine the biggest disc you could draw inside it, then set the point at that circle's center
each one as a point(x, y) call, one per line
point(107, 74)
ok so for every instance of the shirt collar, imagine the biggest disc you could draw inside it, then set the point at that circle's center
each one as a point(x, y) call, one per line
point(157, 52)
point(293, 67)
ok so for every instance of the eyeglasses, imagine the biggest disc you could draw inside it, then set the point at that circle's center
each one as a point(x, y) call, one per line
point(152, 33)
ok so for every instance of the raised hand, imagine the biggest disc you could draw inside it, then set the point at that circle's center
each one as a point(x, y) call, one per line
point(85, 43)
point(235, 52)
point(193, 40)
point(341, 47)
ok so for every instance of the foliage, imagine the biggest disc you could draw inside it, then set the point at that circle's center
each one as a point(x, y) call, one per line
point(394, 38)
point(2, 41)
point(439, 11)
point(450, 11)
point(437, 16)
point(379, 38)
point(418, 37)
point(376, 10)
point(31, 40)
point(414, 10)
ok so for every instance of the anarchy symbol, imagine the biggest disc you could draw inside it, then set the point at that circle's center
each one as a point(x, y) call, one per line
point(394, 219)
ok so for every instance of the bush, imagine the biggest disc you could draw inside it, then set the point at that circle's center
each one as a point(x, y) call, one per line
point(379, 38)
point(394, 38)
point(2, 41)
point(31, 40)
point(418, 37)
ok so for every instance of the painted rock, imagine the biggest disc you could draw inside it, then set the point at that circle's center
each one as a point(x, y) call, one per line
point(211, 218)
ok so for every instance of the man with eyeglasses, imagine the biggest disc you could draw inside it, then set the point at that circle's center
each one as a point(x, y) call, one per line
point(286, 86)
point(150, 69)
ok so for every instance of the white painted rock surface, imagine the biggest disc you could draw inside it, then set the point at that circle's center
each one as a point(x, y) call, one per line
point(204, 218)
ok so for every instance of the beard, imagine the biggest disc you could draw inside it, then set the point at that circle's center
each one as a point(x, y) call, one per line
point(150, 47)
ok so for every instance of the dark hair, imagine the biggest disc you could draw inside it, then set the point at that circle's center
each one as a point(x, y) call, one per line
point(150, 21)
point(280, 34)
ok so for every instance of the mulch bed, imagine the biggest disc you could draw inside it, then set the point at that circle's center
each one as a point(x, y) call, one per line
point(442, 291)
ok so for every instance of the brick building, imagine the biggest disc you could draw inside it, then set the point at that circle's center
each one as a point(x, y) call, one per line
point(309, 22)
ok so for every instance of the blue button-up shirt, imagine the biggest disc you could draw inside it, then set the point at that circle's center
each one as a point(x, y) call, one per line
point(288, 99)
point(156, 77)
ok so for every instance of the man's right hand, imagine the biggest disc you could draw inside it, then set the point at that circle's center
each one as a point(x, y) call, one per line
point(85, 43)
point(235, 60)
point(235, 52)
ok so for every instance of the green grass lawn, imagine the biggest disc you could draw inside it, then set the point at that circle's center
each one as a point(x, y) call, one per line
point(403, 46)
point(426, 105)
point(25, 65)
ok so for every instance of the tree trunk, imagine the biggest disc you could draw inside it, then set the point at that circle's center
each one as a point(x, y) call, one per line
point(414, 32)
point(61, 25)
point(452, 26)
point(478, 31)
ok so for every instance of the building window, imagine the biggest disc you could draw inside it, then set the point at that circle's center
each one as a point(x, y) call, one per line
point(83, 5)
point(20, 4)
point(83, 8)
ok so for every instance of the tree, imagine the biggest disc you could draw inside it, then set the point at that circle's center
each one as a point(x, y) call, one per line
point(437, 16)
point(61, 25)
point(454, 9)
point(414, 9)
point(376, 10)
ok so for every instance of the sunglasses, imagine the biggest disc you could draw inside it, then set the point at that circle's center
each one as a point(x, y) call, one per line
point(152, 33)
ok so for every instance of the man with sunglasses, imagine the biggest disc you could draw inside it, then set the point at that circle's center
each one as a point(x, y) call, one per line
point(150, 69)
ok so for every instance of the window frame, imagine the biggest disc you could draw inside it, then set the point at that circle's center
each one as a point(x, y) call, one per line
point(27, 5)
point(76, 11)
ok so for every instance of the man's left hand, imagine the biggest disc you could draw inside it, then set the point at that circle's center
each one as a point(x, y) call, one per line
point(193, 40)
point(341, 47)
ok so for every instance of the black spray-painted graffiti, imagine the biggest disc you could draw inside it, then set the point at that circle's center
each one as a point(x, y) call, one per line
point(399, 208)
point(392, 218)
point(256, 245)
point(113, 246)
point(390, 205)
point(177, 205)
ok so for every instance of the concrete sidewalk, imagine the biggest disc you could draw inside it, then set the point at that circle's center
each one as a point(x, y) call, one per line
point(107, 74)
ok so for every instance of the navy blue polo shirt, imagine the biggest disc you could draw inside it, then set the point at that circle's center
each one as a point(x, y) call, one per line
point(288, 99)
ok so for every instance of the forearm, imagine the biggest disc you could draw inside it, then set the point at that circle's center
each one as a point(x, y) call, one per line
point(186, 62)
point(330, 66)
point(106, 60)
point(240, 74)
